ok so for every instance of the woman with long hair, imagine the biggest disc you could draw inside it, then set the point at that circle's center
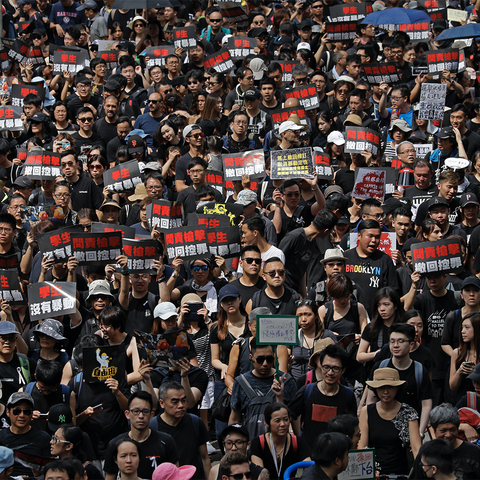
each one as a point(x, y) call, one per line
point(325, 126)
point(97, 165)
point(197, 105)
point(116, 32)
point(277, 449)
point(218, 83)
point(474, 175)
point(127, 458)
point(166, 135)
point(430, 231)
point(335, 149)
point(213, 111)
point(306, 57)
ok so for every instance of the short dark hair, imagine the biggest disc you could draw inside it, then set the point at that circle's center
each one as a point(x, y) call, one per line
point(358, 92)
point(325, 220)
point(402, 212)
point(460, 107)
point(254, 347)
point(440, 453)
point(334, 351)
point(268, 81)
point(62, 183)
point(230, 460)
point(197, 161)
point(125, 439)
point(49, 373)
point(60, 466)
point(242, 71)
point(156, 175)
point(166, 386)
point(271, 260)
point(330, 446)
point(113, 316)
point(203, 191)
point(84, 342)
point(345, 424)
point(255, 222)
point(368, 224)
point(141, 395)
point(249, 248)
point(8, 219)
point(369, 203)
point(289, 183)
point(32, 99)
point(403, 328)
point(272, 408)
point(354, 58)
point(339, 286)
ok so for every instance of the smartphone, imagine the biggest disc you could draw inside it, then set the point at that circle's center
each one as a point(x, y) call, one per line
point(43, 414)
point(193, 315)
point(98, 406)
point(468, 363)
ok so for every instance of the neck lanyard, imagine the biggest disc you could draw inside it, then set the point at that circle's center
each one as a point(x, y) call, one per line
point(274, 455)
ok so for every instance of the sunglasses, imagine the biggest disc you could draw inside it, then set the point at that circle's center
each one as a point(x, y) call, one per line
point(273, 273)
point(265, 358)
point(358, 201)
point(250, 260)
point(18, 411)
point(239, 476)
point(198, 268)
point(95, 167)
point(292, 194)
point(153, 101)
point(304, 303)
point(88, 119)
point(196, 136)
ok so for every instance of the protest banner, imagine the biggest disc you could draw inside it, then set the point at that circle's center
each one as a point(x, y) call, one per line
point(382, 72)
point(20, 91)
point(52, 49)
point(286, 67)
point(370, 183)
point(240, 47)
point(11, 118)
point(10, 290)
point(123, 177)
point(127, 232)
point(247, 163)
point(161, 349)
point(96, 248)
point(337, 31)
point(21, 152)
point(110, 56)
point(390, 179)
point(187, 242)
point(321, 164)
point(449, 59)
point(42, 166)
point(4, 60)
point(306, 95)
point(158, 55)
point(221, 61)
point(184, 37)
point(442, 256)
point(9, 261)
point(19, 51)
point(277, 330)
point(164, 215)
point(31, 461)
point(432, 101)
point(421, 149)
point(224, 241)
point(418, 32)
point(388, 243)
point(47, 299)
point(215, 179)
point(141, 254)
point(104, 362)
point(359, 139)
point(291, 163)
point(361, 465)
point(232, 11)
point(353, 12)
point(56, 244)
point(71, 62)
point(35, 56)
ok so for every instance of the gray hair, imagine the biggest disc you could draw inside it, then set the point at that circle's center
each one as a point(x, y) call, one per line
point(337, 56)
point(165, 387)
point(444, 413)
point(299, 69)
point(252, 316)
point(404, 143)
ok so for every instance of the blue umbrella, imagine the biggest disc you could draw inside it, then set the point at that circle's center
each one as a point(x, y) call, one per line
point(465, 31)
point(396, 16)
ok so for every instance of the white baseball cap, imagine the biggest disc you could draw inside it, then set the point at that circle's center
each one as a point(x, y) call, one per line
point(336, 137)
point(304, 46)
point(288, 125)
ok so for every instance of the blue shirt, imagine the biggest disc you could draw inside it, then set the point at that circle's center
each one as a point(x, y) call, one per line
point(148, 124)
point(66, 17)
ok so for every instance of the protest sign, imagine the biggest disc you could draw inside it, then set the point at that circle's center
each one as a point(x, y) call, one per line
point(277, 330)
point(442, 256)
point(232, 12)
point(248, 163)
point(42, 166)
point(287, 70)
point(161, 349)
point(141, 254)
point(19, 51)
point(104, 362)
point(359, 139)
point(230, 187)
point(417, 70)
point(35, 56)
point(240, 47)
point(184, 37)
point(123, 177)
point(209, 221)
point(228, 210)
point(127, 232)
point(418, 32)
point(454, 15)
point(96, 248)
point(341, 30)
point(421, 149)
point(10, 118)
point(449, 59)
point(52, 49)
point(221, 61)
point(370, 183)
point(361, 465)
point(306, 95)
point(224, 241)
point(164, 215)
point(31, 461)
point(388, 243)
point(56, 244)
point(382, 72)
point(214, 178)
point(110, 56)
point(291, 163)
point(321, 164)
point(187, 242)
point(352, 12)
point(20, 91)
point(433, 5)
point(71, 62)
point(4, 60)
point(21, 152)
point(47, 299)
point(158, 55)
point(282, 115)
point(432, 101)
point(10, 290)
point(9, 261)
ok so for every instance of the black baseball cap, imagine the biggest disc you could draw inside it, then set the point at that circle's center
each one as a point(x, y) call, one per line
point(435, 201)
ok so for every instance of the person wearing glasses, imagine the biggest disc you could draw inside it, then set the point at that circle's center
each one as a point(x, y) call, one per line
point(194, 139)
point(81, 98)
point(235, 100)
point(20, 436)
point(149, 122)
point(436, 459)
point(240, 140)
point(85, 138)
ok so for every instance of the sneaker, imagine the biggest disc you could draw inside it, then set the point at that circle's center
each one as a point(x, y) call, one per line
point(211, 449)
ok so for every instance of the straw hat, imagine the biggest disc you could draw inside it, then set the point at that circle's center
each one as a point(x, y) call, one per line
point(296, 119)
point(385, 376)
point(319, 347)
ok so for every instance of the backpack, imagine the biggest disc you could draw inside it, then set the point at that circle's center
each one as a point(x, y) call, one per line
point(195, 420)
point(418, 373)
point(309, 378)
point(254, 419)
point(77, 384)
point(294, 443)
point(65, 392)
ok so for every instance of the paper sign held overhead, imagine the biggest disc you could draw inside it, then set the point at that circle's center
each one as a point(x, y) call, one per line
point(248, 163)
point(44, 166)
point(47, 300)
point(104, 362)
point(382, 72)
point(10, 290)
point(221, 61)
point(306, 95)
point(442, 256)
point(359, 139)
point(10, 118)
point(184, 37)
point(158, 55)
point(277, 330)
point(321, 164)
point(96, 248)
point(291, 163)
point(164, 215)
point(124, 177)
point(240, 47)
point(370, 183)
point(361, 465)
point(449, 59)
point(141, 254)
point(432, 101)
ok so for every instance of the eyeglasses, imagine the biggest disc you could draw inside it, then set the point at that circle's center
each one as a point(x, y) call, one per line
point(212, 83)
point(8, 338)
point(412, 150)
point(239, 476)
point(196, 136)
point(6, 230)
point(140, 277)
point(57, 440)
point(400, 341)
point(95, 167)
point(156, 189)
point(250, 260)
point(138, 411)
point(215, 20)
point(86, 119)
point(198, 268)
point(292, 194)
point(153, 101)
point(62, 195)
point(26, 411)
point(67, 164)
point(249, 78)
point(396, 98)
point(197, 171)
point(265, 358)
point(237, 443)
point(334, 369)
point(81, 86)
point(274, 273)
point(378, 216)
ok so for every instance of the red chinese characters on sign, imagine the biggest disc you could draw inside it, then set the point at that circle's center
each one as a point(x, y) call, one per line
point(47, 291)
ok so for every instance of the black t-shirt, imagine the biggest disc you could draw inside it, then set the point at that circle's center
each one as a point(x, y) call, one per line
point(302, 217)
point(14, 375)
point(85, 194)
point(453, 217)
point(108, 131)
point(434, 310)
point(43, 403)
point(158, 448)
point(83, 146)
point(285, 305)
point(184, 435)
point(140, 313)
point(418, 196)
point(345, 178)
point(247, 292)
point(187, 198)
point(473, 140)
point(74, 104)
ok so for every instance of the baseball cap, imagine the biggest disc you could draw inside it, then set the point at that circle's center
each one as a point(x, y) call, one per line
point(6, 458)
point(467, 198)
point(332, 189)
point(303, 46)
point(178, 80)
point(246, 197)
point(189, 128)
point(18, 397)
point(409, 243)
point(258, 67)
point(417, 137)
point(135, 144)
point(256, 32)
point(439, 24)
point(89, 4)
point(52, 328)
point(252, 93)
point(165, 310)
point(234, 428)
point(228, 291)
point(446, 133)
point(306, 24)
point(472, 280)
point(289, 125)
point(283, 41)
point(434, 201)
point(344, 220)
point(39, 117)
point(111, 85)
point(475, 376)
point(336, 137)
point(151, 166)
point(390, 205)
point(59, 415)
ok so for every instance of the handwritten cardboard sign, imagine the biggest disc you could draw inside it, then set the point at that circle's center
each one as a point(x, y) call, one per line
point(361, 465)
point(44, 166)
point(96, 248)
point(291, 163)
point(10, 289)
point(370, 183)
point(104, 362)
point(450, 59)
point(47, 299)
point(432, 101)
point(20, 91)
point(341, 30)
point(158, 55)
point(359, 139)
point(71, 62)
point(221, 61)
point(454, 15)
point(321, 164)
point(10, 118)
point(164, 215)
point(124, 177)
point(306, 95)
point(442, 256)
point(141, 254)
point(382, 72)
point(240, 47)
point(277, 330)
point(247, 163)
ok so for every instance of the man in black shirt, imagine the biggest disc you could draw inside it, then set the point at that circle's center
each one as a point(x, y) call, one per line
point(458, 118)
point(423, 189)
point(85, 139)
point(82, 98)
point(239, 140)
point(123, 128)
point(250, 281)
point(106, 127)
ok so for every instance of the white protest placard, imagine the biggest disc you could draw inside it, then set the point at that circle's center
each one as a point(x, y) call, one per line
point(277, 330)
point(361, 465)
point(370, 183)
point(454, 15)
point(421, 149)
point(432, 101)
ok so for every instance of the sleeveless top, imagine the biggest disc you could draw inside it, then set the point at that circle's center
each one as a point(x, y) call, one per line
point(350, 323)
